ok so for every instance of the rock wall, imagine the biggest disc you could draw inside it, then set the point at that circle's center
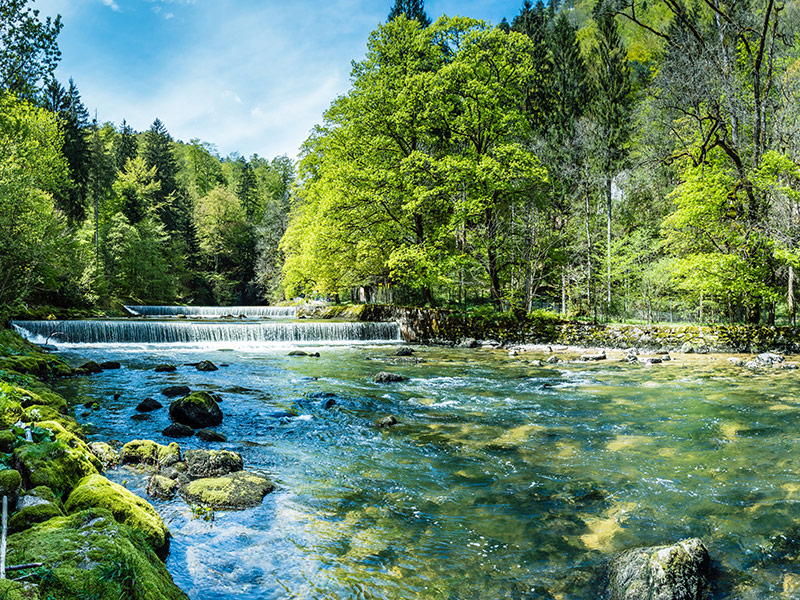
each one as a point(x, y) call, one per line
point(431, 325)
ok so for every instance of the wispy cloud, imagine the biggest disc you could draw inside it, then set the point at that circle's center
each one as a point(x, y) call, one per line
point(111, 4)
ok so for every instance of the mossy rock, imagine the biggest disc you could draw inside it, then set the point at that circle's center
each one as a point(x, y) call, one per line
point(197, 410)
point(10, 485)
point(96, 491)
point(212, 463)
point(39, 365)
point(161, 487)
point(147, 452)
point(91, 551)
point(36, 506)
point(105, 454)
point(7, 441)
point(10, 408)
point(38, 394)
point(18, 590)
point(53, 464)
point(34, 414)
point(71, 440)
point(235, 491)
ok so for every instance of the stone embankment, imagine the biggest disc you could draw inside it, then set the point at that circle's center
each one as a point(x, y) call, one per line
point(426, 325)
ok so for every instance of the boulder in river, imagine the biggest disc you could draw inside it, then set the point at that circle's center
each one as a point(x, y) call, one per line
point(385, 377)
point(105, 453)
point(148, 405)
point(592, 357)
point(90, 367)
point(386, 422)
point(36, 506)
point(178, 430)
point(165, 368)
point(404, 351)
point(212, 463)
point(176, 390)
point(298, 353)
point(553, 360)
point(736, 362)
point(676, 572)
point(110, 365)
point(206, 365)
point(468, 343)
point(161, 487)
point(197, 410)
point(147, 452)
point(209, 435)
point(767, 359)
point(235, 491)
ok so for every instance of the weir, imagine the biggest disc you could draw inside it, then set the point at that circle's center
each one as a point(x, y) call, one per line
point(162, 332)
point(213, 311)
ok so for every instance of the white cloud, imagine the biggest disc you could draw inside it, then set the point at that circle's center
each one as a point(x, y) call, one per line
point(111, 4)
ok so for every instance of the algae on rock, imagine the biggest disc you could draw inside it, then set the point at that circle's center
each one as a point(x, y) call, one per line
point(53, 464)
point(235, 491)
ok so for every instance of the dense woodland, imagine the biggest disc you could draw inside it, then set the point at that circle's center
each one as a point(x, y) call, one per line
point(611, 159)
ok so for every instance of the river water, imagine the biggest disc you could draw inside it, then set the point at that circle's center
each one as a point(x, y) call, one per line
point(502, 479)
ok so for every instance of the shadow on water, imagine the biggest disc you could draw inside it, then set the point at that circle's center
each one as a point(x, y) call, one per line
point(500, 480)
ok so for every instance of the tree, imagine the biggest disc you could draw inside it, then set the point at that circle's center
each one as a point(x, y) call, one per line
point(136, 190)
point(29, 52)
point(31, 168)
point(247, 188)
point(414, 10)
point(611, 110)
point(125, 146)
point(157, 153)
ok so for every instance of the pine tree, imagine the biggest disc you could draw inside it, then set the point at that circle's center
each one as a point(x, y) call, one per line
point(532, 21)
point(73, 121)
point(125, 146)
point(157, 153)
point(570, 90)
point(412, 9)
point(247, 188)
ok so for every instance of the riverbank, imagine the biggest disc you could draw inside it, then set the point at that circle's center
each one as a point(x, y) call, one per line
point(440, 326)
point(84, 536)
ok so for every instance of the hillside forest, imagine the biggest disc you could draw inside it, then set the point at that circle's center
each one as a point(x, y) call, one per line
point(610, 159)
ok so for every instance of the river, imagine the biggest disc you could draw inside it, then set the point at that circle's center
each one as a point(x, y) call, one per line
point(502, 479)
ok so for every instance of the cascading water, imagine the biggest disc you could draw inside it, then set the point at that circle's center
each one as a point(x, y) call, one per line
point(172, 332)
point(214, 311)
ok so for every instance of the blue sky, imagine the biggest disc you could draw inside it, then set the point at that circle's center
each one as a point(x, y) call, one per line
point(248, 76)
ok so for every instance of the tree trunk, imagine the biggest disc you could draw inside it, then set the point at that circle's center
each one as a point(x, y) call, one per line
point(588, 256)
point(790, 296)
point(608, 244)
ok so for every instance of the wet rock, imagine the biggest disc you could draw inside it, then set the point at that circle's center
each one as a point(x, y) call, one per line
point(788, 366)
point(468, 343)
point(212, 463)
point(161, 487)
point(385, 377)
point(687, 348)
point(47, 348)
point(110, 365)
point(165, 368)
point(198, 410)
point(386, 421)
point(36, 506)
point(753, 365)
point(96, 491)
point(148, 405)
point(209, 435)
point(206, 365)
point(178, 430)
point(105, 453)
point(90, 367)
point(767, 359)
point(235, 491)
point(139, 417)
point(404, 351)
point(10, 485)
point(593, 357)
point(147, 452)
point(630, 359)
point(329, 403)
point(297, 353)
point(736, 362)
point(649, 361)
point(536, 363)
point(176, 390)
point(117, 396)
point(54, 464)
point(677, 572)
point(553, 360)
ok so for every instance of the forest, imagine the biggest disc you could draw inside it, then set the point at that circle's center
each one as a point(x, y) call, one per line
point(610, 159)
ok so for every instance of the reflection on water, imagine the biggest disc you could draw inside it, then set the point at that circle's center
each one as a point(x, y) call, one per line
point(503, 479)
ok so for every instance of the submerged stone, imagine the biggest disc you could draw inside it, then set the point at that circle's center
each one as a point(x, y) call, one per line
point(90, 367)
point(148, 405)
point(206, 365)
point(404, 351)
point(96, 491)
point(235, 491)
point(197, 410)
point(386, 421)
point(177, 430)
point(209, 435)
point(165, 368)
point(147, 452)
point(176, 390)
point(212, 463)
point(161, 487)
point(677, 572)
point(110, 365)
point(385, 377)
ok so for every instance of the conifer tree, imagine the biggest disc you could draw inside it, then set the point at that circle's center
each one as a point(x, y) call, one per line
point(412, 9)
point(157, 153)
point(125, 146)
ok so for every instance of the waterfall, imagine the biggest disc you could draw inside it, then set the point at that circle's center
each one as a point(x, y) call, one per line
point(213, 311)
point(163, 332)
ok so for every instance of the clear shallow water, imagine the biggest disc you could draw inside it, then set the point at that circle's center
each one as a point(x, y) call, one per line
point(502, 479)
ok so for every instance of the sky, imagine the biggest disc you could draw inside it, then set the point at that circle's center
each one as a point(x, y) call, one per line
point(248, 76)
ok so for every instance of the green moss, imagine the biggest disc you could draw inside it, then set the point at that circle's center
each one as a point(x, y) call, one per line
point(71, 440)
point(31, 515)
point(53, 464)
point(97, 491)
point(10, 409)
point(11, 343)
point(147, 452)
point(7, 441)
point(10, 484)
point(90, 552)
point(36, 413)
point(40, 395)
point(237, 490)
point(39, 364)
point(18, 590)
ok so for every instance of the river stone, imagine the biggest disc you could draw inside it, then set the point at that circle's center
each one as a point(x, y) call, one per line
point(590, 357)
point(209, 435)
point(148, 405)
point(36, 506)
point(176, 390)
point(404, 351)
point(677, 572)
point(769, 358)
point(197, 410)
point(384, 377)
point(736, 362)
point(165, 368)
point(212, 463)
point(161, 487)
point(206, 365)
point(110, 365)
point(90, 367)
point(297, 353)
point(235, 491)
point(386, 421)
point(147, 452)
point(468, 343)
point(650, 360)
point(107, 455)
point(553, 360)
point(178, 430)
point(687, 348)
